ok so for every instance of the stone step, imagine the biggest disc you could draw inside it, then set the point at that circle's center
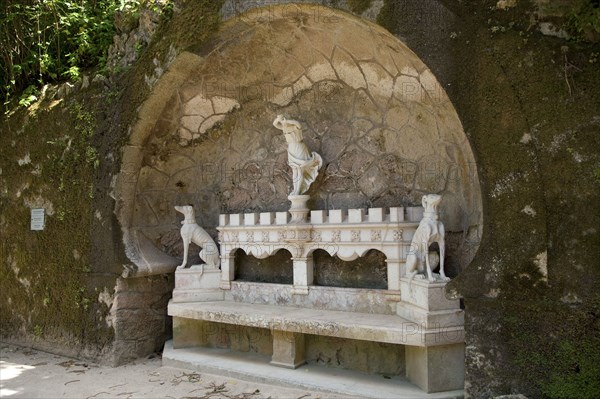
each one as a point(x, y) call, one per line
point(256, 368)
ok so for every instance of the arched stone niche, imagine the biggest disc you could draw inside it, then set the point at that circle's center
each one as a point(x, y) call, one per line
point(384, 126)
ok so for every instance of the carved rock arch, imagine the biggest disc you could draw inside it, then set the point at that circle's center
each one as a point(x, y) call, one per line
point(383, 124)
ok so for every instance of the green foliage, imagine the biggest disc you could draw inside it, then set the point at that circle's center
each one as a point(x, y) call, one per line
point(44, 41)
point(38, 331)
point(596, 173)
point(29, 96)
point(584, 20)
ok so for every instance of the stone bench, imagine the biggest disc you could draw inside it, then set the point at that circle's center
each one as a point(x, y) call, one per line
point(432, 330)
point(433, 356)
point(415, 314)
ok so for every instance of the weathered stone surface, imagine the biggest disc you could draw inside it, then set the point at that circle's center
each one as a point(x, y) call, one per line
point(504, 89)
point(372, 142)
point(368, 271)
point(368, 357)
point(397, 117)
point(350, 200)
point(379, 81)
point(210, 122)
point(192, 124)
point(347, 70)
point(339, 184)
point(390, 328)
point(199, 105)
point(334, 142)
point(288, 349)
point(371, 183)
point(128, 322)
point(220, 335)
point(321, 71)
point(276, 269)
point(223, 105)
point(319, 297)
point(431, 86)
point(354, 162)
point(235, 200)
point(301, 84)
point(435, 369)
point(407, 88)
point(364, 106)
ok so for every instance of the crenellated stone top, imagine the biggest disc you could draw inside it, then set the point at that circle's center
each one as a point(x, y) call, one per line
point(409, 215)
point(347, 234)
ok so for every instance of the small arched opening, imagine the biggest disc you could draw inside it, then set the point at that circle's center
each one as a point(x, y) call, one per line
point(276, 268)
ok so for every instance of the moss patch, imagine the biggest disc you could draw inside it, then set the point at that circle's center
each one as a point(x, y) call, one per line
point(556, 347)
point(44, 290)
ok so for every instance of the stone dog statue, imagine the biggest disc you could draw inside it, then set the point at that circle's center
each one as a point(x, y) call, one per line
point(191, 232)
point(430, 230)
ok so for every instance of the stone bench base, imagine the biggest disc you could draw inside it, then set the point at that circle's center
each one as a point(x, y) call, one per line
point(434, 356)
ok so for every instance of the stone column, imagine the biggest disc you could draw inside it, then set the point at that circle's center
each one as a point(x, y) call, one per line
point(425, 303)
point(303, 274)
point(197, 283)
point(395, 268)
point(436, 368)
point(288, 349)
point(227, 270)
point(188, 333)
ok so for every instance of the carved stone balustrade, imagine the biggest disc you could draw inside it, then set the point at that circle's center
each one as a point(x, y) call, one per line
point(347, 234)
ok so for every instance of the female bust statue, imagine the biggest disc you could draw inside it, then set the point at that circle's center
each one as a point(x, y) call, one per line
point(305, 165)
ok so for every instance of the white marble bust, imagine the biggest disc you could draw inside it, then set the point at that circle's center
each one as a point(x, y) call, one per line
point(304, 163)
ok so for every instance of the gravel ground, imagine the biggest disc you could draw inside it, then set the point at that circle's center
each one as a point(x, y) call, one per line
point(27, 373)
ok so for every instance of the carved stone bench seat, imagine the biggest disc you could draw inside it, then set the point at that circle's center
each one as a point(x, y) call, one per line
point(352, 325)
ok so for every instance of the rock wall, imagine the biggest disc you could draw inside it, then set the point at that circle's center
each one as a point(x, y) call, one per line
point(529, 104)
point(61, 288)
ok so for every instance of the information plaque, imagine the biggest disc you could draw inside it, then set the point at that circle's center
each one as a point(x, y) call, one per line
point(37, 218)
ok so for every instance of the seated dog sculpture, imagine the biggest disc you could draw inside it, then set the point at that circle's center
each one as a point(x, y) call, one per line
point(191, 232)
point(430, 230)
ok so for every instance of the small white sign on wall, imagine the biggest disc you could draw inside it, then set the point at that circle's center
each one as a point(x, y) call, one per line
point(37, 218)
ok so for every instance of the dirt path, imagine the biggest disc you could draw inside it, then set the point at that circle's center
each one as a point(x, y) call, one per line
point(26, 373)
